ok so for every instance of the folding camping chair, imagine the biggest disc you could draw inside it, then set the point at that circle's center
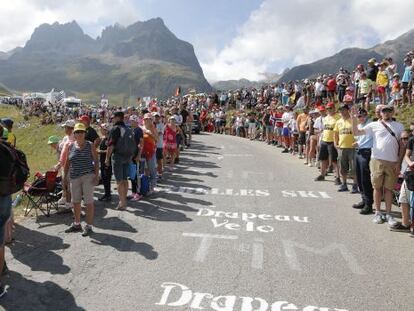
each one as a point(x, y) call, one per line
point(41, 192)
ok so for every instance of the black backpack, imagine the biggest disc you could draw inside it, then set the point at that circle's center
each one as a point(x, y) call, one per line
point(126, 145)
point(17, 171)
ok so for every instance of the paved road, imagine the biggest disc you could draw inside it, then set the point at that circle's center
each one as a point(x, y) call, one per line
point(237, 226)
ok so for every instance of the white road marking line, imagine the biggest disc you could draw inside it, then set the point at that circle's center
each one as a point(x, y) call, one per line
point(257, 256)
point(293, 262)
point(206, 241)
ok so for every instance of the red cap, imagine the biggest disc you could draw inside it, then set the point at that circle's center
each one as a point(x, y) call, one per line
point(330, 105)
point(321, 108)
point(85, 118)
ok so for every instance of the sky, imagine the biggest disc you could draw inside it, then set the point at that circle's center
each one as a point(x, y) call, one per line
point(232, 39)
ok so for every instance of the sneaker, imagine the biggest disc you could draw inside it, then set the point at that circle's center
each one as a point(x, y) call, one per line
point(286, 150)
point(61, 201)
point(136, 197)
point(74, 228)
point(310, 164)
point(3, 290)
point(367, 210)
point(378, 218)
point(305, 162)
point(87, 230)
point(320, 178)
point(343, 188)
point(359, 205)
point(354, 189)
point(412, 233)
point(399, 227)
point(338, 182)
point(390, 220)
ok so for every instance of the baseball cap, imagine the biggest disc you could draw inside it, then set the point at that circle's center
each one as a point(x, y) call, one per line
point(53, 140)
point(387, 108)
point(7, 122)
point(315, 111)
point(321, 108)
point(85, 118)
point(330, 105)
point(69, 123)
point(156, 114)
point(79, 127)
point(372, 61)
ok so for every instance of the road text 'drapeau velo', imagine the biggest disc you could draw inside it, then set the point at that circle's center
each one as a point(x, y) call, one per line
point(218, 219)
point(178, 295)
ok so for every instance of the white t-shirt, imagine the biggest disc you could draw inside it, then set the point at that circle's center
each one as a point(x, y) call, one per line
point(385, 145)
point(160, 130)
point(286, 117)
point(318, 124)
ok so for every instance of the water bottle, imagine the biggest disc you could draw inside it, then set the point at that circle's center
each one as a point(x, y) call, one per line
point(17, 200)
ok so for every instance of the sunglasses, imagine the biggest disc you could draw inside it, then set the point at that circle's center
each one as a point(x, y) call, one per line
point(387, 110)
point(405, 138)
point(78, 132)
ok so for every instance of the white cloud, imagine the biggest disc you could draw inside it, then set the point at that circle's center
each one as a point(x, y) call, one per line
point(19, 18)
point(301, 31)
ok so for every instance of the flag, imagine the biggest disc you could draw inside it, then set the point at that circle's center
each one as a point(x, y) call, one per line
point(178, 91)
point(59, 97)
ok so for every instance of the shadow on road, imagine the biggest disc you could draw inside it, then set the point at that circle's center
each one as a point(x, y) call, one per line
point(35, 249)
point(28, 295)
point(123, 244)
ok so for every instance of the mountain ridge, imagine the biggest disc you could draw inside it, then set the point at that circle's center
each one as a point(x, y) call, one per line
point(141, 59)
point(349, 58)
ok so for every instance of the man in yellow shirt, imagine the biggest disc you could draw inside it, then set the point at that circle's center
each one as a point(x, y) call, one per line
point(8, 124)
point(345, 143)
point(327, 149)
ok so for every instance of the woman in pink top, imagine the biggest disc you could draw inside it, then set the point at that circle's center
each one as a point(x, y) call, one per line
point(170, 141)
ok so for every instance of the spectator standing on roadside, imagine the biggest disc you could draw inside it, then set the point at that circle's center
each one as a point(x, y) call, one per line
point(406, 196)
point(406, 81)
point(344, 142)
point(385, 160)
point(382, 83)
point(5, 210)
point(327, 149)
point(301, 124)
point(106, 171)
point(160, 127)
point(82, 165)
point(363, 173)
point(65, 203)
point(91, 135)
point(121, 147)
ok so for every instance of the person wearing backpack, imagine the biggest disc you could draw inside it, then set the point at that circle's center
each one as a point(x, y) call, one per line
point(121, 149)
point(13, 174)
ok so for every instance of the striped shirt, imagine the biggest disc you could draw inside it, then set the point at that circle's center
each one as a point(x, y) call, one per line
point(81, 160)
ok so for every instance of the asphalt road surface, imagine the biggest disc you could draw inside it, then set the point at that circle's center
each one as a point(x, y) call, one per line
point(237, 226)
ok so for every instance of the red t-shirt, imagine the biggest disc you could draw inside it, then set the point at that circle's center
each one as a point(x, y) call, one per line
point(331, 85)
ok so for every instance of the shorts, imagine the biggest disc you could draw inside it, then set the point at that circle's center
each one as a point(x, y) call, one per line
point(159, 153)
point(179, 139)
point(278, 131)
point(331, 93)
point(346, 160)
point(405, 194)
point(383, 174)
point(302, 138)
point(121, 170)
point(82, 187)
point(381, 89)
point(286, 132)
point(328, 150)
point(269, 129)
point(5, 212)
point(405, 85)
